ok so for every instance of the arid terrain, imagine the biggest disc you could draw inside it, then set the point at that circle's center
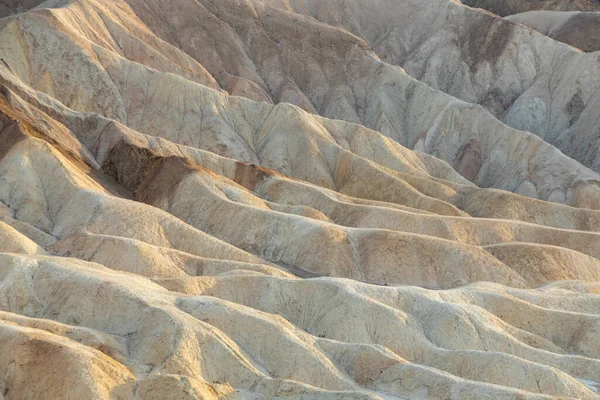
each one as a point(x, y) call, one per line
point(299, 199)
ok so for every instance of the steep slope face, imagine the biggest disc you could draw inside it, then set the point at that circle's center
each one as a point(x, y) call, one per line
point(369, 92)
point(163, 239)
point(510, 7)
point(9, 7)
point(541, 90)
point(578, 29)
point(525, 79)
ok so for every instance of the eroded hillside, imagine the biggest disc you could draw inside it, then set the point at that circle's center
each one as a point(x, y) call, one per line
point(295, 199)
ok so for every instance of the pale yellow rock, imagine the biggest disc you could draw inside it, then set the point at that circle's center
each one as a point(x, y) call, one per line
point(163, 238)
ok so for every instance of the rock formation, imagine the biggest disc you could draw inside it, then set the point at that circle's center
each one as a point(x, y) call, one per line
point(265, 199)
point(578, 29)
point(510, 7)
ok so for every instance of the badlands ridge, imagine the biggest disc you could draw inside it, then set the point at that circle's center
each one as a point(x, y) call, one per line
point(297, 199)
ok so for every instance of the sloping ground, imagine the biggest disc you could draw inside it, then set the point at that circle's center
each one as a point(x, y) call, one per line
point(204, 319)
point(162, 239)
point(527, 80)
point(9, 7)
point(578, 29)
point(510, 7)
point(375, 94)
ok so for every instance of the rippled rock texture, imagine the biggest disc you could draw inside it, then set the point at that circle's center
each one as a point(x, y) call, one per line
point(383, 199)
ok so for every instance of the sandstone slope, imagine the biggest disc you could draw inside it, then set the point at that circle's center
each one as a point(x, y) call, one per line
point(510, 7)
point(370, 92)
point(527, 80)
point(578, 29)
point(163, 238)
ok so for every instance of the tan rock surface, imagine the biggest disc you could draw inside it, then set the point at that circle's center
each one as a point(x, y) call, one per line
point(578, 29)
point(163, 238)
point(371, 92)
point(510, 7)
